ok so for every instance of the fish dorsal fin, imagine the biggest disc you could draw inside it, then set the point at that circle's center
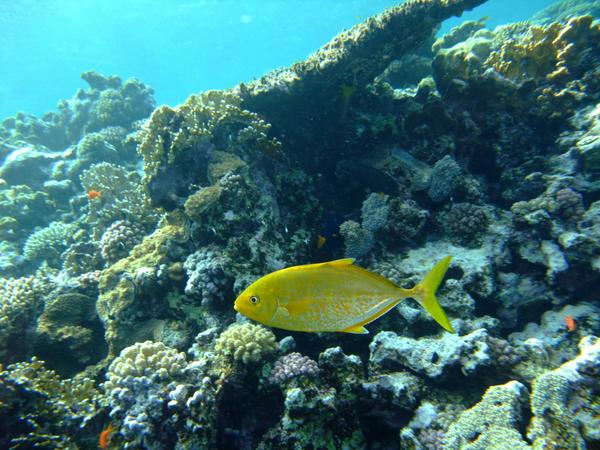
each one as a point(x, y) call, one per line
point(340, 262)
point(355, 329)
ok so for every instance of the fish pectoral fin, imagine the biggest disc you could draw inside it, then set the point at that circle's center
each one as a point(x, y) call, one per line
point(355, 329)
point(340, 262)
point(298, 308)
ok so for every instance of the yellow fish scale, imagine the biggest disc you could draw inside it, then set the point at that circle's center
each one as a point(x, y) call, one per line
point(330, 297)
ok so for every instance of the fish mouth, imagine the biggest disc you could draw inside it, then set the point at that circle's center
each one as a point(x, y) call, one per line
point(236, 307)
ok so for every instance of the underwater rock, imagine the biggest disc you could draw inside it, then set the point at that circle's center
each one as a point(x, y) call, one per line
point(394, 390)
point(562, 10)
point(299, 100)
point(492, 423)
point(121, 298)
point(70, 324)
point(33, 165)
point(550, 343)
point(436, 358)
point(106, 103)
point(562, 400)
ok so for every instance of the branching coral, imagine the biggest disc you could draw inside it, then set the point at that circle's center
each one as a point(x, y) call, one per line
point(56, 410)
point(48, 243)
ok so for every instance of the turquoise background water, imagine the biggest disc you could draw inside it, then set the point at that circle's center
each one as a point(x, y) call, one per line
point(176, 46)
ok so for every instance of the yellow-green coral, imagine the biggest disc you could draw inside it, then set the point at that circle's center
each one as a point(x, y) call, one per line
point(144, 359)
point(55, 410)
point(201, 202)
point(246, 343)
point(20, 302)
point(117, 288)
point(492, 423)
point(556, 54)
point(213, 117)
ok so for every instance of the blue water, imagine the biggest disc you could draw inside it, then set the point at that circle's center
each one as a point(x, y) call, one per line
point(178, 47)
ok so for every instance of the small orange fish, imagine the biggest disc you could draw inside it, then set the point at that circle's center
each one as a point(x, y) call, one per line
point(92, 194)
point(570, 323)
point(105, 436)
point(321, 241)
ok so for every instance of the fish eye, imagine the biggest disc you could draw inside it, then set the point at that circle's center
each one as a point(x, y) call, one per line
point(254, 299)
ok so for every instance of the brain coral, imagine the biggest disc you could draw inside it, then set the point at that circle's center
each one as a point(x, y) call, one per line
point(246, 342)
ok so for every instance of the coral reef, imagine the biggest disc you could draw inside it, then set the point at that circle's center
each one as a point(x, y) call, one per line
point(126, 230)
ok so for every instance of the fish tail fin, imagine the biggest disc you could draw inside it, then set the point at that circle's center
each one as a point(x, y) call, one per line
point(424, 292)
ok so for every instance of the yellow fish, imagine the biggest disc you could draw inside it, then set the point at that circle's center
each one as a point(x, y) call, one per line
point(334, 296)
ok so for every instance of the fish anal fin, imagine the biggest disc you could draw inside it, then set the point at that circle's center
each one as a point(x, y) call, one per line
point(355, 329)
point(341, 262)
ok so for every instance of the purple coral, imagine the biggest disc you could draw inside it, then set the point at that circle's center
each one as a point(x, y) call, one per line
point(570, 203)
point(292, 366)
point(431, 439)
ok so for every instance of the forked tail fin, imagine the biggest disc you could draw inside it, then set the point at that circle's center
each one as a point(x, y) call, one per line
point(424, 292)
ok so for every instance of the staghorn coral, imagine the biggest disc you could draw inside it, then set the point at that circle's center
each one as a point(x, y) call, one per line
point(246, 343)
